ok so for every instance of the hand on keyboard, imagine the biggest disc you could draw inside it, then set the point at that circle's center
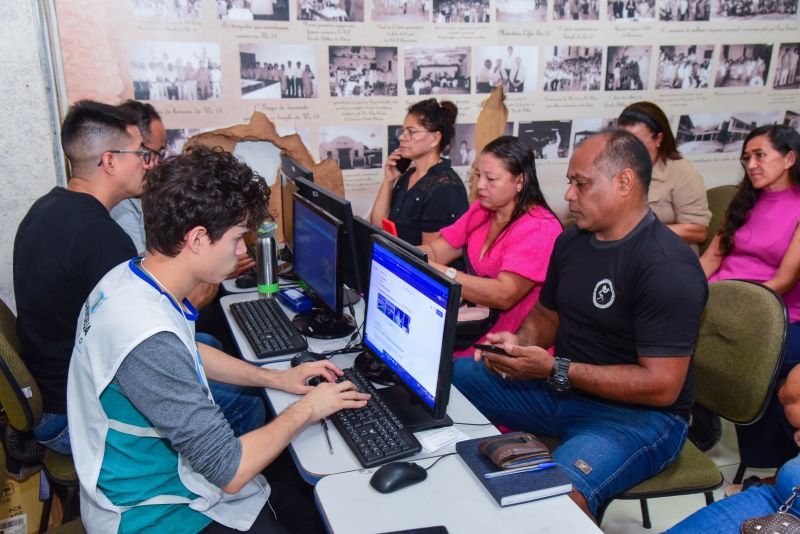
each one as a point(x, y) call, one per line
point(329, 398)
point(296, 379)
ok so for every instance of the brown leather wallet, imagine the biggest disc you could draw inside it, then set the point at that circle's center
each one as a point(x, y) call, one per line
point(511, 451)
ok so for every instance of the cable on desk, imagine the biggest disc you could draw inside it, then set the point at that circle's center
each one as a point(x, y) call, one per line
point(439, 458)
point(472, 424)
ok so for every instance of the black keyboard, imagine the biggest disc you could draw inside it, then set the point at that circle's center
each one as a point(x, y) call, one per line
point(267, 328)
point(373, 433)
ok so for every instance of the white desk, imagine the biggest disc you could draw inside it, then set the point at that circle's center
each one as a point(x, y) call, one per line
point(451, 496)
point(310, 450)
point(315, 345)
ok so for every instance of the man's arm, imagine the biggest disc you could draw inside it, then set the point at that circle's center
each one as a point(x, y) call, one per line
point(789, 396)
point(653, 381)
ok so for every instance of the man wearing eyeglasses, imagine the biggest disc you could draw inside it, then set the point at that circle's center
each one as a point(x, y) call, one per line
point(67, 242)
point(128, 213)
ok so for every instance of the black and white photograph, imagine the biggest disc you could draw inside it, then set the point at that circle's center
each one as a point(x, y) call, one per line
point(278, 71)
point(709, 133)
point(445, 11)
point(362, 70)
point(684, 10)
point(743, 65)
point(166, 8)
point(176, 138)
point(253, 9)
point(352, 146)
point(437, 70)
point(572, 68)
point(547, 139)
point(331, 10)
point(792, 119)
point(401, 10)
point(521, 10)
point(175, 71)
point(684, 66)
point(753, 9)
point(631, 10)
point(787, 67)
point(575, 10)
point(462, 148)
point(627, 68)
point(513, 67)
point(583, 128)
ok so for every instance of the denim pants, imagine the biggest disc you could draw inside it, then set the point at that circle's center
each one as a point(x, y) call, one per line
point(243, 408)
point(728, 514)
point(606, 447)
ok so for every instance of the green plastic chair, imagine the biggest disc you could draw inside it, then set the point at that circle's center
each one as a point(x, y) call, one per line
point(718, 200)
point(736, 364)
point(22, 401)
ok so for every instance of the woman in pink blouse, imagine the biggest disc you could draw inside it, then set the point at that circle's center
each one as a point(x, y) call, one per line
point(760, 238)
point(509, 233)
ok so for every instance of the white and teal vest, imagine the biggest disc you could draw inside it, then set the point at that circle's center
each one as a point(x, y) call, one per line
point(131, 478)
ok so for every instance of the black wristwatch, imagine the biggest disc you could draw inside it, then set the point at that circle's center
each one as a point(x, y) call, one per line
point(558, 379)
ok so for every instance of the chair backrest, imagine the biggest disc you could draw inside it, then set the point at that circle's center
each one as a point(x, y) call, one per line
point(740, 349)
point(19, 394)
point(718, 200)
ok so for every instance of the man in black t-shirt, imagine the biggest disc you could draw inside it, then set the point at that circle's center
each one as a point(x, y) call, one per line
point(67, 242)
point(621, 304)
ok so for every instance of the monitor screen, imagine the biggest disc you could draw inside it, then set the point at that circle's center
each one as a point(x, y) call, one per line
point(363, 242)
point(410, 322)
point(341, 209)
point(290, 171)
point(316, 251)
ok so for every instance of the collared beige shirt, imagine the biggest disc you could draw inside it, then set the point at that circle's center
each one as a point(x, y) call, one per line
point(677, 193)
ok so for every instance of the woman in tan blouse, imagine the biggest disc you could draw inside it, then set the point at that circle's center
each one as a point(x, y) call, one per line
point(677, 194)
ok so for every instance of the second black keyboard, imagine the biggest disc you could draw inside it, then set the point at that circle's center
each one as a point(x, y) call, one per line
point(373, 433)
point(268, 329)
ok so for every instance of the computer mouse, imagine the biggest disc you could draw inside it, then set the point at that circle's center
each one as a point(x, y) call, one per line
point(397, 475)
point(246, 280)
point(306, 356)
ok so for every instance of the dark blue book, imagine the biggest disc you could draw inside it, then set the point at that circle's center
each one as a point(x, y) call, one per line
point(517, 486)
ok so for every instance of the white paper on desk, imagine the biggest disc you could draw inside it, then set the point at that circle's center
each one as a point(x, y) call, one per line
point(433, 440)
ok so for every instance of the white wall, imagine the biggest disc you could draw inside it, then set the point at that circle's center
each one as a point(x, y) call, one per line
point(27, 162)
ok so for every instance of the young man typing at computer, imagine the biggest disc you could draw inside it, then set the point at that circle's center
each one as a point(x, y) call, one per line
point(151, 448)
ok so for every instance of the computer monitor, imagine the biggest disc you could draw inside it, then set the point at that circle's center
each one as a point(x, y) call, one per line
point(363, 241)
point(290, 170)
point(410, 326)
point(317, 262)
point(341, 209)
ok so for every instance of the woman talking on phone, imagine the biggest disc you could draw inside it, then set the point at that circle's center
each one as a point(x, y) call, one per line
point(509, 233)
point(428, 194)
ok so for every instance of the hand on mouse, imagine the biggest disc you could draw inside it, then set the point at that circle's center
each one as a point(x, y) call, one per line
point(243, 262)
point(294, 380)
point(327, 398)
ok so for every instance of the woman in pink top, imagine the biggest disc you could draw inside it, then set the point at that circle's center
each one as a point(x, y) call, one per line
point(509, 233)
point(760, 238)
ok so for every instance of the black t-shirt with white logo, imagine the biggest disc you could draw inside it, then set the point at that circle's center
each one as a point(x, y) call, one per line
point(642, 295)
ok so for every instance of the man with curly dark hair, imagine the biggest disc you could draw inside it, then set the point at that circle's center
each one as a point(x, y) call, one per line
point(151, 448)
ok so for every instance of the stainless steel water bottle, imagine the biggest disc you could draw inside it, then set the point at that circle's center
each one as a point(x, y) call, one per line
point(267, 260)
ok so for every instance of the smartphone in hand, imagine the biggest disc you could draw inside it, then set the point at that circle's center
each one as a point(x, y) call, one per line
point(402, 164)
point(490, 348)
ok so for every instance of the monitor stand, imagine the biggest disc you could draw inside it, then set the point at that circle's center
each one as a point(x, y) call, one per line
point(321, 324)
point(350, 297)
point(409, 410)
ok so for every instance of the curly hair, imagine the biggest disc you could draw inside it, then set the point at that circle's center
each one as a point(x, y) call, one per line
point(783, 139)
point(205, 187)
point(437, 117)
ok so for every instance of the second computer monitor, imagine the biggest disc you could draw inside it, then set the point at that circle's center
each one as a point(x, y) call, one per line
point(290, 171)
point(411, 317)
point(317, 262)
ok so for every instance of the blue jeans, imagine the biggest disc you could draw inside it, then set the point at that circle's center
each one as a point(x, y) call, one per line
point(728, 514)
point(616, 446)
point(243, 408)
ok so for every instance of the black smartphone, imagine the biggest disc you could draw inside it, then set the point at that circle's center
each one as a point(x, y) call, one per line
point(490, 348)
point(402, 164)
